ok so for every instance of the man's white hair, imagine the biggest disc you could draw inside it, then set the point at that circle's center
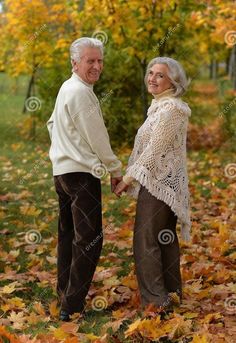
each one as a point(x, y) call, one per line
point(175, 73)
point(78, 45)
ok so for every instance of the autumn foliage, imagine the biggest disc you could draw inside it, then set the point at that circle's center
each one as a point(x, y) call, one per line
point(35, 36)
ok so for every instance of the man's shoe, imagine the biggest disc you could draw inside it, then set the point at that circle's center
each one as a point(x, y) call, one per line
point(64, 316)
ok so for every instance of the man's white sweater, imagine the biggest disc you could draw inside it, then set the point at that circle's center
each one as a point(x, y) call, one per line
point(79, 138)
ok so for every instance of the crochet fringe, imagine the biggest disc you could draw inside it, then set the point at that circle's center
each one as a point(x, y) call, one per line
point(160, 194)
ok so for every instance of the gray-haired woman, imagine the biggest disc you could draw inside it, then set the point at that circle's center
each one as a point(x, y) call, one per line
point(157, 176)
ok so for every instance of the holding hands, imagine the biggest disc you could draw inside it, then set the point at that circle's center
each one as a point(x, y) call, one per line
point(120, 188)
point(114, 182)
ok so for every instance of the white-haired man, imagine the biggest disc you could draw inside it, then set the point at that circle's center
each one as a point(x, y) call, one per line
point(80, 153)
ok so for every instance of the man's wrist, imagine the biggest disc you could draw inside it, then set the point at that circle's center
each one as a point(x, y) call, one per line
point(116, 174)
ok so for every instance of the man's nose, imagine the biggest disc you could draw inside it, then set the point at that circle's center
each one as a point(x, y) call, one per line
point(97, 65)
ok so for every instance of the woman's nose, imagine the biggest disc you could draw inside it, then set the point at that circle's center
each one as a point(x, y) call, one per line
point(152, 78)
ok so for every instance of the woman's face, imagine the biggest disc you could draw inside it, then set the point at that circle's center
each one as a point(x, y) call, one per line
point(157, 79)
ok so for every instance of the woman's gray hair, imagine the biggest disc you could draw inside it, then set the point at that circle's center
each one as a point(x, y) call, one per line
point(175, 73)
point(78, 45)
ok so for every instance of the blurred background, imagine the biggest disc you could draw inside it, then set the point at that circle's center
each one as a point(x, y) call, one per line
point(34, 59)
point(35, 37)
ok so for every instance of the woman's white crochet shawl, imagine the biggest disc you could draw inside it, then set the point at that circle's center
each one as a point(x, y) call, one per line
point(158, 159)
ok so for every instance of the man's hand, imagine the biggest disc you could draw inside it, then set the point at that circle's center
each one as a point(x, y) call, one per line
point(114, 182)
point(121, 187)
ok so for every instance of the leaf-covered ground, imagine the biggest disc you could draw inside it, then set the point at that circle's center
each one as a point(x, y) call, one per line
point(28, 214)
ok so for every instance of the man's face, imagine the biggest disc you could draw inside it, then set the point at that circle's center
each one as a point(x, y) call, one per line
point(90, 66)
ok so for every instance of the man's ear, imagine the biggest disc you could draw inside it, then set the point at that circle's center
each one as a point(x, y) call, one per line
point(74, 65)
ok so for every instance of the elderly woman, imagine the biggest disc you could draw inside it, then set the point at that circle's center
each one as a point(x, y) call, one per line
point(157, 176)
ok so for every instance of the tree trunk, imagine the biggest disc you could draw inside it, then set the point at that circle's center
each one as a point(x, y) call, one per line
point(213, 69)
point(234, 67)
point(29, 92)
point(81, 5)
point(143, 89)
point(227, 64)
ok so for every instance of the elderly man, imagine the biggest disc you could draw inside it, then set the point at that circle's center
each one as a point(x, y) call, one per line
point(80, 153)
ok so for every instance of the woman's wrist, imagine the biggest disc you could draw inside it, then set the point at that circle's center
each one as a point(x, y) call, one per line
point(127, 179)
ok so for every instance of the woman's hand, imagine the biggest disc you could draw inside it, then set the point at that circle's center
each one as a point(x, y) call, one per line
point(121, 187)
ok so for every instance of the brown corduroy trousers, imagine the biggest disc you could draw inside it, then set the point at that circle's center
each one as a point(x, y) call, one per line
point(79, 237)
point(156, 250)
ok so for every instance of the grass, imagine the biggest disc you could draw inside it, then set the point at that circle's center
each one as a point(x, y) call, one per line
point(30, 204)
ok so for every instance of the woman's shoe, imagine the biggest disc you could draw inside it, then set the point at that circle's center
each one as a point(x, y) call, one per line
point(64, 316)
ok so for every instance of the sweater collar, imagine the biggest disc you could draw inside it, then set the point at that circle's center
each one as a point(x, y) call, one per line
point(165, 94)
point(76, 76)
point(168, 93)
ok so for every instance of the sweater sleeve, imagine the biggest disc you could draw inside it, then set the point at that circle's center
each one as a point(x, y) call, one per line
point(128, 179)
point(84, 110)
point(50, 126)
point(164, 134)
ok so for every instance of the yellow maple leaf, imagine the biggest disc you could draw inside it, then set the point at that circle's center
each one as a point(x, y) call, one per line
point(91, 336)
point(60, 334)
point(118, 314)
point(34, 318)
point(190, 315)
point(132, 328)
point(38, 307)
point(179, 326)
point(16, 302)
point(130, 281)
point(151, 328)
point(53, 309)
point(224, 232)
point(200, 339)
point(211, 317)
point(30, 210)
point(5, 307)
point(203, 294)
point(8, 289)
